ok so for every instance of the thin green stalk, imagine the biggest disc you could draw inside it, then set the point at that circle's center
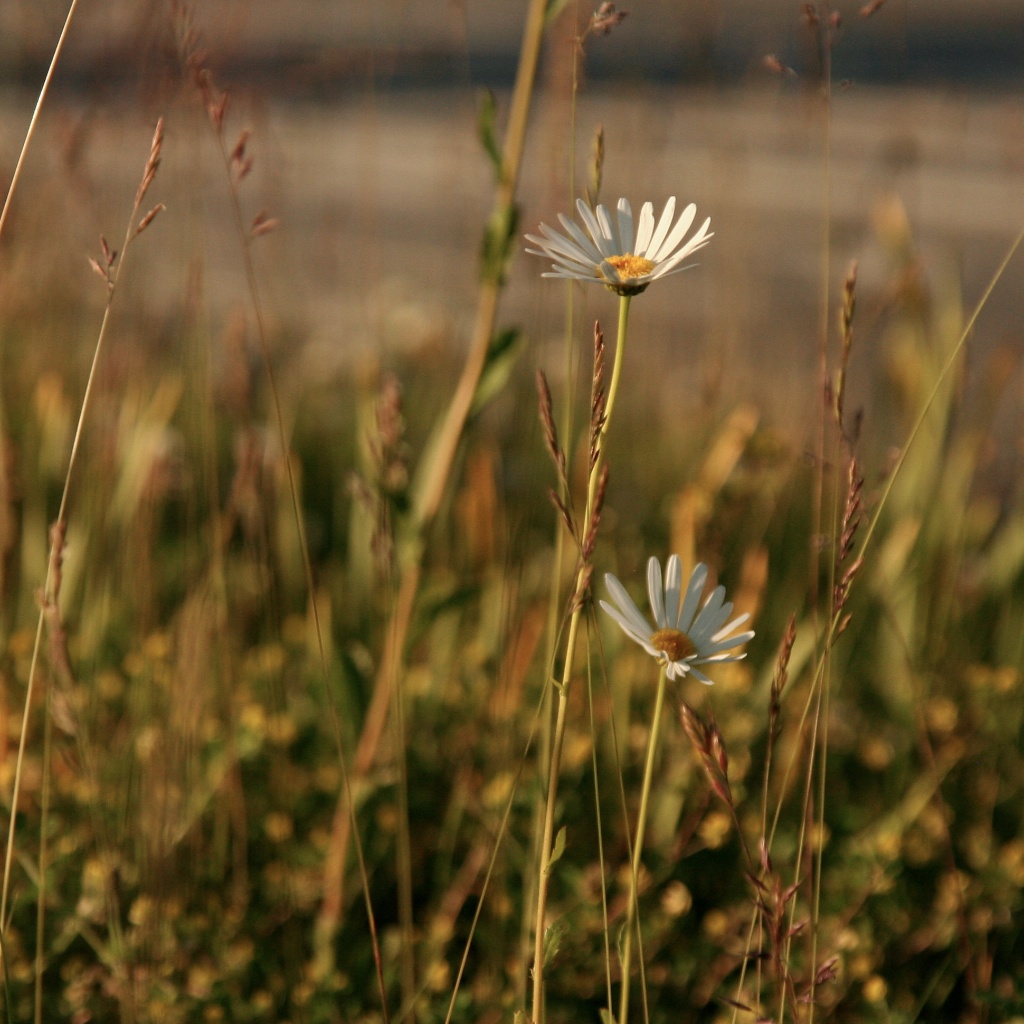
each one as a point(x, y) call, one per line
point(561, 713)
point(823, 704)
point(638, 845)
point(600, 835)
point(555, 589)
point(44, 817)
point(407, 957)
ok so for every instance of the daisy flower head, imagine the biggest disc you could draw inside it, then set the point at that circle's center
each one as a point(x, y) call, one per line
point(685, 633)
point(613, 251)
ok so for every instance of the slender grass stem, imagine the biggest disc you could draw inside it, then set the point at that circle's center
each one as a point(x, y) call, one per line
point(44, 818)
point(561, 712)
point(30, 133)
point(115, 270)
point(245, 238)
point(600, 835)
point(638, 845)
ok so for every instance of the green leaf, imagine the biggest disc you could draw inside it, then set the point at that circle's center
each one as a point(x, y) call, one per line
point(553, 941)
point(558, 849)
point(502, 354)
point(487, 127)
point(496, 250)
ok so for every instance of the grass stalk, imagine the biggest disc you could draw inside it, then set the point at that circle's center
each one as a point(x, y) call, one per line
point(34, 120)
point(562, 704)
point(245, 238)
point(113, 272)
point(638, 845)
point(449, 437)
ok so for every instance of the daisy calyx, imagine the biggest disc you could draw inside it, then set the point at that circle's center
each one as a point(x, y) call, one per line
point(686, 633)
point(613, 251)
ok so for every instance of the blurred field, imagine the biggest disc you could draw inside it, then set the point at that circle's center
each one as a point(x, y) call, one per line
point(278, 694)
point(380, 198)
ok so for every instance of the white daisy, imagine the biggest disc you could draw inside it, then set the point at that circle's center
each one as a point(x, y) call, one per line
point(683, 636)
point(624, 260)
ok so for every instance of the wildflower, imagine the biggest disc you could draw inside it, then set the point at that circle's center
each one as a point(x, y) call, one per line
point(615, 256)
point(683, 636)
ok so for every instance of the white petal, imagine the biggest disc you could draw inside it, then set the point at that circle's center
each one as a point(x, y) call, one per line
point(655, 592)
point(625, 218)
point(610, 274)
point(670, 265)
point(673, 587)
point(721, 659)
point(574, 276)
point(662, 230)
point(712, 615)
point(726, 630)
point(693, 592)
point(579, 236)
point(676, 236)
point(697, 674)
point(677, 669)
point(625, 603)
point(644, 230)
point(609, 230)
point(603, 244)
point(565, 263)
point(559, 243)
point(625, 625)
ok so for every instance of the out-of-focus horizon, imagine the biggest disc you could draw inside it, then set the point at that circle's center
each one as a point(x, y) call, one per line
point(316, 48)
point(364, 134)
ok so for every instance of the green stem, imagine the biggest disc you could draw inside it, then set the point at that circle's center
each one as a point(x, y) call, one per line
point(561, 712)
point(638, 844)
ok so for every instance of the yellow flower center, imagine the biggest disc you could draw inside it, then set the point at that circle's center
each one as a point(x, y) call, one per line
point(630, 266)
point(673, 643)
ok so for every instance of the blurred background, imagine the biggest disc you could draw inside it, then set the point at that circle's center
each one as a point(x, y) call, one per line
point(199, 773)
point(365, 146)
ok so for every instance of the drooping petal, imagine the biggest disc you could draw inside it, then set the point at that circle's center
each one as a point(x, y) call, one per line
point(579, 236)
point(611, 275)
point(554, 242)
point(626, 605)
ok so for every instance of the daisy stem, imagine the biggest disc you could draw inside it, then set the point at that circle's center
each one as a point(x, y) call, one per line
point(638, 844)
point(561, 711)
point(613, 387)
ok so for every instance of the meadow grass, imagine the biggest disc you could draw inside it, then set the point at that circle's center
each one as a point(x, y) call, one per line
point(308, 711)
